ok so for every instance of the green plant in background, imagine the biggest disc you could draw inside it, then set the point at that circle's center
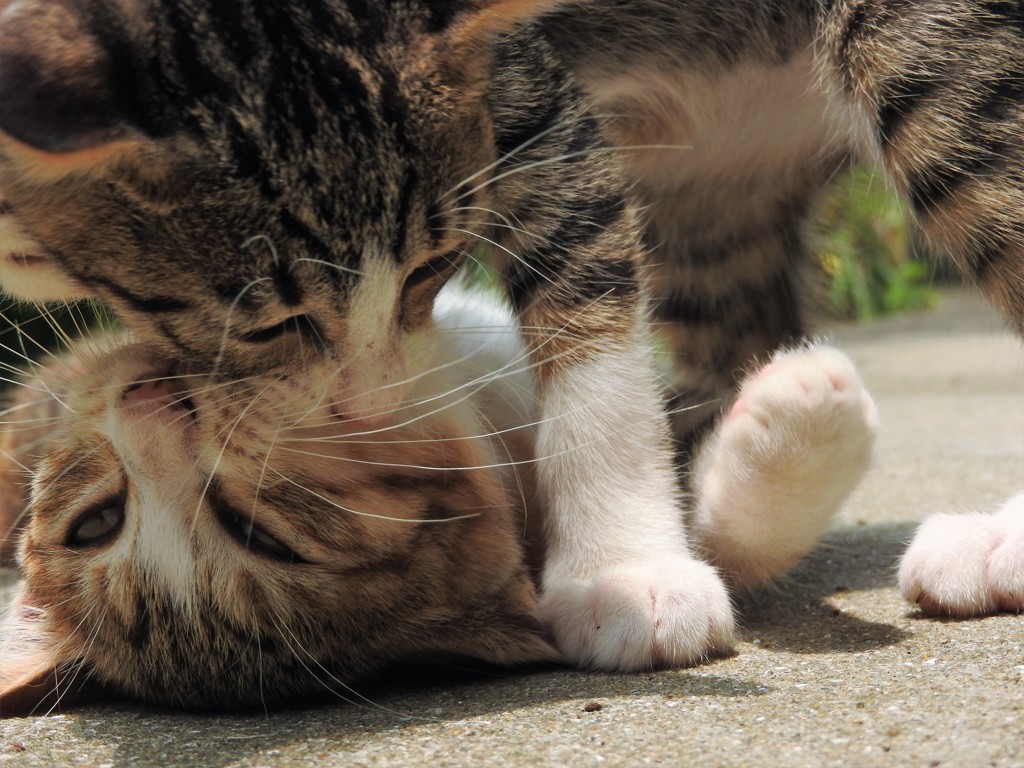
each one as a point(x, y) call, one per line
point(30, 333)
point(867, 253)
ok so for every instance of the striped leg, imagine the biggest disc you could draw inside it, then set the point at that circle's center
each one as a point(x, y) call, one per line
point(621, 588)
point(727, 160)
point(728, 292)
point(942, 87)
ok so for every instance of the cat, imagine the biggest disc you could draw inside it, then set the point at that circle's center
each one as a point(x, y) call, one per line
point(201, 543)
point(268, 187)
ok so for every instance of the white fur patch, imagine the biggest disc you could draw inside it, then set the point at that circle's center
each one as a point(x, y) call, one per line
point(795, 443)
point(25, 273)
point(163, 508)
point(621, 589)
point(373, 372)
point(162, 538)
point(967, 565)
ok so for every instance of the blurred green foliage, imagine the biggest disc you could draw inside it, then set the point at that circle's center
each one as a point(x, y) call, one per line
point(867, 251)
point(29, 333)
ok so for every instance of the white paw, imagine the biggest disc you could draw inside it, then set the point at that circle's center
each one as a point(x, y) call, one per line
point(806, 397)
point(667, 613)
point(967, 565)
point(793, 446)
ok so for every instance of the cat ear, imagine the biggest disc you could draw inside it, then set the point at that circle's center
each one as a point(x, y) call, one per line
point(39, 671)
point(505, 631)
point(62, 93)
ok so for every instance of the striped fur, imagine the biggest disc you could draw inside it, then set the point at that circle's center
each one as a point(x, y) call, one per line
point(398, 543)
point(268, 187)
point(142, 576)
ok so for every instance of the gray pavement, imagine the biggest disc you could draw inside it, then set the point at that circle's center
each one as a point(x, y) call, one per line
point(832, 668)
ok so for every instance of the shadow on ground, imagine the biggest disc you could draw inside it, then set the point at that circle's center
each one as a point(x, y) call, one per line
point(794, 616)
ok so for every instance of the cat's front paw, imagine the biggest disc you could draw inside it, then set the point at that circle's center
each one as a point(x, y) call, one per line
point(628, 617)
point(967, 565)
point(808, 397)
point(793, 446)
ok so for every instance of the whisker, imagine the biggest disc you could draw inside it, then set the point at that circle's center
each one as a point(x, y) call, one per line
point(302, 655)
point(220, 455)
point(264, 239)
point(567, 156)
point(371, 515)
point(337, 267)
point(525, 145)
point(227, 319)
point(510, 252)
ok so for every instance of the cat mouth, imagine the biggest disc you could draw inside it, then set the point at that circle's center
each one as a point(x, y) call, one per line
point(160, 388)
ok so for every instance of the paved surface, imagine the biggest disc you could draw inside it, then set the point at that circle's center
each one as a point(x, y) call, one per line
point(833, 668)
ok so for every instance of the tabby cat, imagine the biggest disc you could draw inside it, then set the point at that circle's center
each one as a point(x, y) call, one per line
point(275, 187)
point(200, 542)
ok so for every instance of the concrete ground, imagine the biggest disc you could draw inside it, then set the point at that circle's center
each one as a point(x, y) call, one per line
point(833, 668)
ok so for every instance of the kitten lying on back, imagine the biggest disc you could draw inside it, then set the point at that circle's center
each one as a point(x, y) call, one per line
point(202, 543)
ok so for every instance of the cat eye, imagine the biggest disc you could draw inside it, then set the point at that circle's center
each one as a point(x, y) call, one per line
point(98, 525)
point(240, 526)
point(251, 536)
point(255, 539)
point(258, 539)
point(303, 325)
point(439, 266)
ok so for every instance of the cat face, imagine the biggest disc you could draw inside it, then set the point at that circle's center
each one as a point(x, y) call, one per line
point(253, 186)
point(200, 543)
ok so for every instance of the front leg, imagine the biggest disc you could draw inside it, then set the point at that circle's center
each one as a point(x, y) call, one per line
point(621, 587)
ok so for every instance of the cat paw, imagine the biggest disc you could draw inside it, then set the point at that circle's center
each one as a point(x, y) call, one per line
point(636, 616)
point(806, 396)
point(790, 450)
point(967, 565)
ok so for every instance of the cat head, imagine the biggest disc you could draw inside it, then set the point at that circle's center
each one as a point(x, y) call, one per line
point(252, 186)
point(200, 543)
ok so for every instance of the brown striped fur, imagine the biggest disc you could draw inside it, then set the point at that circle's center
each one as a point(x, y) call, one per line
point(396, 544)
point(304, 177)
